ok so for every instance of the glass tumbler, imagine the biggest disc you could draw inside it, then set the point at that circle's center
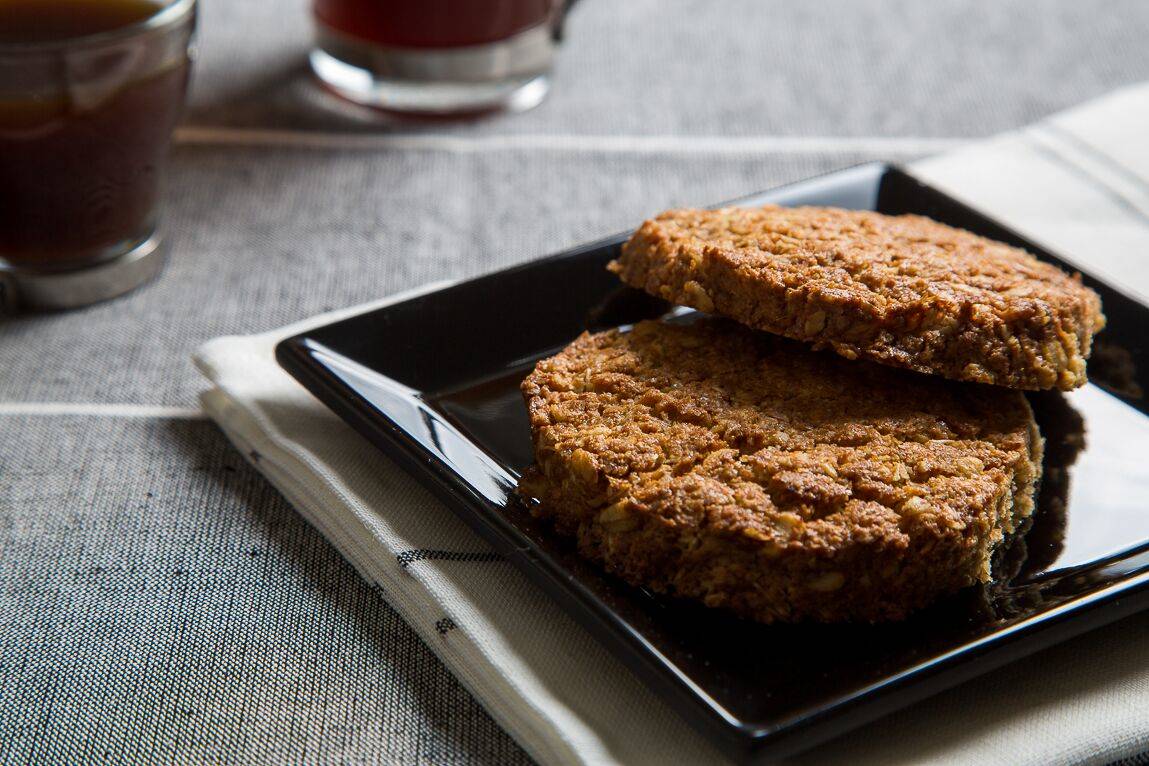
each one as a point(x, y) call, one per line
point(438, 57)
point(85, 126)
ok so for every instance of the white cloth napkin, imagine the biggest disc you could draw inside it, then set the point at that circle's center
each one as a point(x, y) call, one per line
point(1077, 183)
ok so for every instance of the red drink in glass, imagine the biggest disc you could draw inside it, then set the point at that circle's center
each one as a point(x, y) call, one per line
point(437, 56)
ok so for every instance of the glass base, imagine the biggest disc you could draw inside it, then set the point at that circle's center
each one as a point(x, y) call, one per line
point(367, 87)
point(26, 289)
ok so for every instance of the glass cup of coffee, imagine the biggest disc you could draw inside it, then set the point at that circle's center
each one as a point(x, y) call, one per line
point(90, 92)
point(438, 57)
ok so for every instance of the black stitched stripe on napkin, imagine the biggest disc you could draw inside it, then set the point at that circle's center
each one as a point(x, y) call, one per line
point(407, 558)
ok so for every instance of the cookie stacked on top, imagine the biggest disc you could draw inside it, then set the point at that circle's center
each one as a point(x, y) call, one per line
point(707, 459)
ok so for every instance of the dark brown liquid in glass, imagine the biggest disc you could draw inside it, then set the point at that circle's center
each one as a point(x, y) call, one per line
point(79, 169)
point(34, 21)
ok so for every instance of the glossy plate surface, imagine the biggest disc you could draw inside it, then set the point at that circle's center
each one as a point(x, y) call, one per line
point(433, 382)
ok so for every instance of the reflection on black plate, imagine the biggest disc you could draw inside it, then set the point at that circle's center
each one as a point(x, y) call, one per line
point(433, 381)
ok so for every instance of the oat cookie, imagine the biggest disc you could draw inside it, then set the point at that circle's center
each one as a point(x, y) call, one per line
point(740, 469)
point(904, 291)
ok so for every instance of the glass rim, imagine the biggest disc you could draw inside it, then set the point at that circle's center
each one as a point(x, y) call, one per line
point(170, 15)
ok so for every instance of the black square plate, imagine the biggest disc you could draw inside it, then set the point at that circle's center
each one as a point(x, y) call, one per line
point(433, 382)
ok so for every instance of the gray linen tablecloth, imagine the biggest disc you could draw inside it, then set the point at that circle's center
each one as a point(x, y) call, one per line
point(158, 600)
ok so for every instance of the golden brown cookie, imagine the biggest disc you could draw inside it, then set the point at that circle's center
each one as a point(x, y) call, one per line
point(899, 290)
point(712, 462)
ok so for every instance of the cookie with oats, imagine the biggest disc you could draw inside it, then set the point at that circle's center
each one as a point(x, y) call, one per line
point(904, 291)
point(736, 468)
